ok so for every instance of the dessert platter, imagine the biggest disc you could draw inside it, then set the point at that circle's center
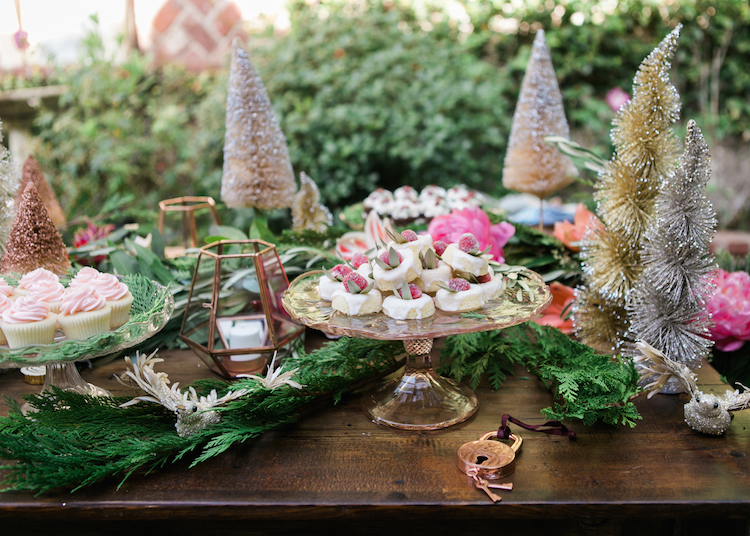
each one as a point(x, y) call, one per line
point(374, 302)
point(87, 323)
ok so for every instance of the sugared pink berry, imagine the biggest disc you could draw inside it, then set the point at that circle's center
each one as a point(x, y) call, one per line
point(416, 292)
point(340, 270)
point(410, 235)
point(384, 257)
point(468, 242)
point(439, 246)
point(358, 280)
point(484, 278)
point(359, 259)
point(458, 285)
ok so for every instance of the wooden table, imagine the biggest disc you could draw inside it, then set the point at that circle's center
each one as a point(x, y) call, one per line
point(336, 471)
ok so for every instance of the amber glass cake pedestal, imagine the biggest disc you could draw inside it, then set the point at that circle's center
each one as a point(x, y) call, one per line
point(420, 399)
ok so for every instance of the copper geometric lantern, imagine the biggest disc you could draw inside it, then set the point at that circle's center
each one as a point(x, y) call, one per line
point(187, 207)
point(234, 320)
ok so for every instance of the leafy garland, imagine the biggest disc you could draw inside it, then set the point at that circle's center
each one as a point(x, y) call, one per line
point(588, 386)
point(94, 438)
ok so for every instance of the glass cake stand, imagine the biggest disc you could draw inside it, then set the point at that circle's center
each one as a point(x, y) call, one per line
point(60, 356)
point(420, 399)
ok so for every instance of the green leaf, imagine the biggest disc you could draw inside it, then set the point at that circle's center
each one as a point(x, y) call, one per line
point(157, 242)
point(225, 232)
point(123, 263)
point(259, 230)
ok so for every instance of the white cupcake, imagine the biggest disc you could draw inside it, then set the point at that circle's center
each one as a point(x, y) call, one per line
point(84, 313)
point(118, 297)
point(28, 321)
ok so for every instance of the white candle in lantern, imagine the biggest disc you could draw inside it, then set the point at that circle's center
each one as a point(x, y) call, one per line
point(245, 335)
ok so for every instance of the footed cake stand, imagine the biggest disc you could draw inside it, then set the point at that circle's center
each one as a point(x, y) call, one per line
point(59, 357)
point(420, 399)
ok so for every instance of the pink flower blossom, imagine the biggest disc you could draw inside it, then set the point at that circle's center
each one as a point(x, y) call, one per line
point(730, 310)
point(617, 98)
point(450, 227)
point(21, 38)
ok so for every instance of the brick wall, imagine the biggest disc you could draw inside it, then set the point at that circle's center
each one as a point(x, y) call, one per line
point(196, 33)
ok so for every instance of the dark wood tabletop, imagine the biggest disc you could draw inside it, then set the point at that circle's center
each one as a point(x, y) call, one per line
point(334, 470)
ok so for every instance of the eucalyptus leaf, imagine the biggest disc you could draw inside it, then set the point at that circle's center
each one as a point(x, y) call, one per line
point(157, 242)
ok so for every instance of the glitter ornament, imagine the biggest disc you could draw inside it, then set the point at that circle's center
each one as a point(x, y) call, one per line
point(8, 186)
point(532, 166)
point(646, 150)
point(705, 413)
point(33, 173)
point(668, 306)
point(307, 211)
point(257, 171)
point(34, 241)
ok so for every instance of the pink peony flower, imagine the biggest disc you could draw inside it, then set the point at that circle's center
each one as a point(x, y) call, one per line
point(616, 98)
point(730, 310)
point(571, 234)
point(557, 314)
point(450, 227)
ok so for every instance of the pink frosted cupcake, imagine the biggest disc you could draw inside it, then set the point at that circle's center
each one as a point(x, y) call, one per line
point(28, 321)
point(85, 276)
point(83, 313)
point(5, 303)
point(117, 295)
point(48, 292)
point(5, 289)
point(35, 276)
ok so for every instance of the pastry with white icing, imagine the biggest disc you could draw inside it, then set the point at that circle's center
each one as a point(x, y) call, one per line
point(393, 268)
point(460, 297)
point(464, 256)
point(358, 297)
point(331, 281)
point(409, 304)
point(434, 272)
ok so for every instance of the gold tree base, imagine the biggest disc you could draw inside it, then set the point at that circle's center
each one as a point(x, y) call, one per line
point(420, 399)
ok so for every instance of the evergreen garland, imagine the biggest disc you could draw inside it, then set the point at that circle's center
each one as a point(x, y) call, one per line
point(588, 386)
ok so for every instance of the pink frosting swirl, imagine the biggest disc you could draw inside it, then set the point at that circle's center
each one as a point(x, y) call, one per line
point(40, 274)
point(82, 298)
point(5, 288)
point(85, 276)
point(5, 302)
point(109, 287)
point(26, 309)
point(47, 291)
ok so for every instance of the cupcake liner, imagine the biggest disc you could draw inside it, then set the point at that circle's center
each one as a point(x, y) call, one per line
point(28, 333)
point(85, 324)
point(120, 310)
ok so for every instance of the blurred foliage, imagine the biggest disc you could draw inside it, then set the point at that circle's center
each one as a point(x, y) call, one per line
point(379, 94)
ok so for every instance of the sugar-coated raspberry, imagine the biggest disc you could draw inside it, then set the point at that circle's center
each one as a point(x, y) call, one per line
point(468, 242)
point(457, 284)
point(484, 278)
point(384, 257)
point(416, 292)
point(359, 259)
point(358, 280)
point(439, 246)
point(340, 270)
point(410, 235)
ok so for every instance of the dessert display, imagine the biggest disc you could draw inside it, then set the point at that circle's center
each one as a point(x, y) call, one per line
point(358, 296)
point(391, 268)
point(460, 296)
point(405, 205)
point(84, 313)
point(408, 303)
point(28, 321)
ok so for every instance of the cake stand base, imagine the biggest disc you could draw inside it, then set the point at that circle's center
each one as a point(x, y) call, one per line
point(66, 376)
point(421, 399)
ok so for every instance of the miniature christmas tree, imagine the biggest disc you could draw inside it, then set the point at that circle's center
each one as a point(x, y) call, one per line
point(646, 150)
point(531, 165)
point(307, 211)
point(34, 241)
point(668, 307)
point(257, 170)
point(8, 186)
point(33, 173)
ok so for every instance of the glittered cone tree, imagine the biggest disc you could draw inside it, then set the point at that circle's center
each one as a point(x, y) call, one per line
point(257, 171)
point(8, 186)
point(34, 241)
point(531, 166)
point(668, 309)
point(33, 173)
point(307, 211)
point(646, 150)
